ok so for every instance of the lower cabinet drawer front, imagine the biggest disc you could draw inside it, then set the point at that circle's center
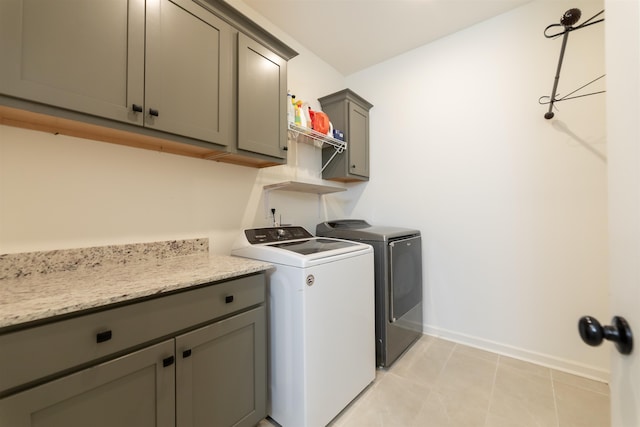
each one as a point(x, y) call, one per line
point(42, 351)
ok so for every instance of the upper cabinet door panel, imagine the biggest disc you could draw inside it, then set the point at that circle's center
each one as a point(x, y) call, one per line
point(262, 81)
point(358, 138)
point(83, 55)
point(189, 62)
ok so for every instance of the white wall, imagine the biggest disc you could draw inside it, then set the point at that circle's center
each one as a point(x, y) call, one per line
point(512, 206)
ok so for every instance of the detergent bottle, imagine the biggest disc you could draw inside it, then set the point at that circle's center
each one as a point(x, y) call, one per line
point(307, 115)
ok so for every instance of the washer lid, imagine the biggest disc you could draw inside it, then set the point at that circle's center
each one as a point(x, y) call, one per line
point(358, 229)
point(304, 254)
point(313, 246)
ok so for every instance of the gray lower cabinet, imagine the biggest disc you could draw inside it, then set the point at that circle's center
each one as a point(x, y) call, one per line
point(190, 72)
point(135, 390)
point(192, 359)
point(349, 112)
point(219, 380)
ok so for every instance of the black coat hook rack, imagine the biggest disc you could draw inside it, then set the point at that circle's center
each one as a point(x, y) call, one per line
point(565, 27)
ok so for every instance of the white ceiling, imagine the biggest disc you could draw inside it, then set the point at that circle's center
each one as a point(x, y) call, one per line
point(355, 34)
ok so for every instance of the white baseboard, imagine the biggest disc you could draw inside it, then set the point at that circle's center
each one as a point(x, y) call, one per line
point(549, 361)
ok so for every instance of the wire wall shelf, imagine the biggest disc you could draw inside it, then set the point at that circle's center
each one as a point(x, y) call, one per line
point(318, 139)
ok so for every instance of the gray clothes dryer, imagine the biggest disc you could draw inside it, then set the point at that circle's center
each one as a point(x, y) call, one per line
point(398, 281)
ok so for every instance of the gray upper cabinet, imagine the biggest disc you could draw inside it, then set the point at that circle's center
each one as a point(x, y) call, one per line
point(188, 80)
point(191, 77)
point(348, 112)
point(262, 109)
point(81, 55)
point(168, 68)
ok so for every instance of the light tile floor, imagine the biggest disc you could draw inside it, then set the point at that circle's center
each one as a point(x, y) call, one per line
point(439, 383)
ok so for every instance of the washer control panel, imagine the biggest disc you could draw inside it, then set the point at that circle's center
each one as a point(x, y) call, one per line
point(275, 234)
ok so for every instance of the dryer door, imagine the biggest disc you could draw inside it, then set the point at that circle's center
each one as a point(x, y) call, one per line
point(406, 276)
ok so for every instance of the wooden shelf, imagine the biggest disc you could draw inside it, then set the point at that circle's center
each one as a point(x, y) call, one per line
point(42, 122)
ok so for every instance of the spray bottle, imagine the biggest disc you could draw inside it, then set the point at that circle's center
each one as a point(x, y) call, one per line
point(291, 113)
point(300, 119)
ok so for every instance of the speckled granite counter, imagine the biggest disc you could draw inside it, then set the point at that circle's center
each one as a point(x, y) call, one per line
point(30, 296)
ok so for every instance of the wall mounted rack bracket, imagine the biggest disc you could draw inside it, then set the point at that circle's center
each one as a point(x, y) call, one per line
point(567, 21)
point(318, 139)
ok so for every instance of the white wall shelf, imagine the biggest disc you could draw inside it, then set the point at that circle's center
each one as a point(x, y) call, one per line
point(301, 187)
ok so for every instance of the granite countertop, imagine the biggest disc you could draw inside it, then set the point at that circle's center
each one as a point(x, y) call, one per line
point(35, 296)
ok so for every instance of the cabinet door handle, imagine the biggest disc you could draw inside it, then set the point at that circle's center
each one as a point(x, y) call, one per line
point(168, 361)
point(228, 299)
point(285, 148)
point(103, 336)
point(353, 166)
point(137, 108)
point(154, 112)
point(186, 353)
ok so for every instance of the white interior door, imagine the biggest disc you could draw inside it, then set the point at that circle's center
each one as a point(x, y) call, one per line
point(622, 29)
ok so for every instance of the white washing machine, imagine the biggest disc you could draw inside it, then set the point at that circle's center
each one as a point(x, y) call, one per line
point(321, 322)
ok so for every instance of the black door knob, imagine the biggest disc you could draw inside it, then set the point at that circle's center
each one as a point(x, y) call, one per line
point(592, 333)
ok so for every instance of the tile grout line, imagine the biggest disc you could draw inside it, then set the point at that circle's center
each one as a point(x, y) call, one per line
point(424, 351)
point(444, 365)
point(555, 398)
point(493, 388)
